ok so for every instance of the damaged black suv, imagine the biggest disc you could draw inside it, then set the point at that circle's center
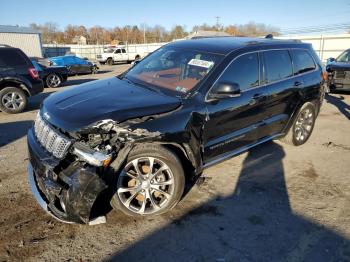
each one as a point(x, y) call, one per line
point(133, 140)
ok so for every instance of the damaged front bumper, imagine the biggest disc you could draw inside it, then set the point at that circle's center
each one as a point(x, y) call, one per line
point(68, 196)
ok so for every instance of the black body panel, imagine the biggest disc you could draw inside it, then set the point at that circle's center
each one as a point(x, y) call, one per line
point(205, 128)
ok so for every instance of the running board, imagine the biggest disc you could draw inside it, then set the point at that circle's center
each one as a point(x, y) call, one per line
point(239, 151)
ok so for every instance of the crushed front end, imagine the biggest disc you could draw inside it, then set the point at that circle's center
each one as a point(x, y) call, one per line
point(68, 172)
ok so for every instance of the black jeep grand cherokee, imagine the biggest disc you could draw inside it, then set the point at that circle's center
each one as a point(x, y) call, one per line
point(187, 106)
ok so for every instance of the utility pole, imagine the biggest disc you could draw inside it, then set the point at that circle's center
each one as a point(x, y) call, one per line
point(144, 33)
point(217, 22)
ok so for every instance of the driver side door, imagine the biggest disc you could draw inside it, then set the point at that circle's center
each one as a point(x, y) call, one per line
point(232, 121)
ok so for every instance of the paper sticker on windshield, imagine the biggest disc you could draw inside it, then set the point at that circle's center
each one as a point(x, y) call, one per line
point(201, 63)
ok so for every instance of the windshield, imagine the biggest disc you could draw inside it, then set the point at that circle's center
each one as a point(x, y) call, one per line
point(109, 50)
point(344, 57)
point(173, 69)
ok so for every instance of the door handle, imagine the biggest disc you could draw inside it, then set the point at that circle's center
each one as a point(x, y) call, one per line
point(297, 83)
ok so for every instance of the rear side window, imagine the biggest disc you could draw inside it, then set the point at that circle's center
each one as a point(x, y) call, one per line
point(123, 51)
point(12, 57)
point(278, 65)
point(302, 61)
point(243, 71)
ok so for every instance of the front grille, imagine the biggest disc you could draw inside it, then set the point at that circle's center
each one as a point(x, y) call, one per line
point(51, 140)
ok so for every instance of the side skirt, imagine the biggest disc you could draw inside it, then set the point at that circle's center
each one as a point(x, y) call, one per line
point(228, 155)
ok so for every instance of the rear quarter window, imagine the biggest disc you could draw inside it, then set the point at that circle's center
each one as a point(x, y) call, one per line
point(278, 65)
point(302, 61)
point(12, 57)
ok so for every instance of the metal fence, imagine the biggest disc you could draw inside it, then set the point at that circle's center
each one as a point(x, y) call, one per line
point(90, 51)
point(326, 46)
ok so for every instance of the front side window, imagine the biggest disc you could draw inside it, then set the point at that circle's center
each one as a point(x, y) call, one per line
point(243, 71)
point(344, 57)
point(278, 65)
point(173, 69)
point(302, 61)
point(117, 51)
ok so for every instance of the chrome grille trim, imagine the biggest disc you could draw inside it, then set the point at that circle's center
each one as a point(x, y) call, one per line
point(51, 140)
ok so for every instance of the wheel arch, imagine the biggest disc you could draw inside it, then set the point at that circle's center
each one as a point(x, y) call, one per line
point(15, 83)
point(188, 162)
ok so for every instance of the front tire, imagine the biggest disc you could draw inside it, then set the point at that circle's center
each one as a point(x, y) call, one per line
point(12, 100)
point(303, 125)
point(53, 80)
point(151, 183)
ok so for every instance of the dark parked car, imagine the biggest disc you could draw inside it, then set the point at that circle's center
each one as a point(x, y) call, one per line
point(339, 72)
point(18, 80)
point(74, 64)
point(191, 104)
point(53, 76)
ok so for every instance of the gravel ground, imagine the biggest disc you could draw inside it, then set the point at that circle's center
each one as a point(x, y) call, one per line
point(273, 203)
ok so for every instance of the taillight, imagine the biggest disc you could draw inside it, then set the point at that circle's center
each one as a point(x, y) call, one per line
point(33, 73)
point(324, 75)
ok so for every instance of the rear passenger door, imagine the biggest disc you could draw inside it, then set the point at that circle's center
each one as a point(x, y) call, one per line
point(281, 87)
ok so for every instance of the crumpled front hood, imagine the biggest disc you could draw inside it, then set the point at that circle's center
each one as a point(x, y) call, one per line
point(110, 98)
point(338, 66)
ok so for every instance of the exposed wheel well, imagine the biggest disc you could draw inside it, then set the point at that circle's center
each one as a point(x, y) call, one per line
point(137, 57)
point(180, 152)
point(21, 86)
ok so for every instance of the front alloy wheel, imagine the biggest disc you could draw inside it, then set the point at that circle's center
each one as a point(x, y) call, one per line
point(151, 183)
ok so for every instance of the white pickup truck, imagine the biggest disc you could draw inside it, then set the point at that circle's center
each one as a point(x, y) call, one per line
point(117, 55)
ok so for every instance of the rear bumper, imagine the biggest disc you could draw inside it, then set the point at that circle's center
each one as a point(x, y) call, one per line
point(36, 88)
point(68, 196)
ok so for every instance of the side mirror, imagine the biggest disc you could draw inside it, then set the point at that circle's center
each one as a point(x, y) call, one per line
point(135, 62)
point(225, 89)
point(331, 59)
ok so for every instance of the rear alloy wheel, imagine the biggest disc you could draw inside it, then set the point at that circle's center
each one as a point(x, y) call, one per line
point(53, 80)
point(12, 100)
point(151, 183)
point(303, 125)
point(94, 70)
point(110, 61)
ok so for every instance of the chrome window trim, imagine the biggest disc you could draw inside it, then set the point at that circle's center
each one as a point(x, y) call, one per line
point(266, 84)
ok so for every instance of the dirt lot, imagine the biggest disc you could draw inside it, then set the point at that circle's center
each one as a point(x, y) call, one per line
point(273, 203)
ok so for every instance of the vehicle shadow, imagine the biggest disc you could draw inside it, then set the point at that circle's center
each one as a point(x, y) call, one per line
point(35, 101)
point(103, 71)
point(343, 107)
point(255, 223)
point(12, 131)
point(71, 82)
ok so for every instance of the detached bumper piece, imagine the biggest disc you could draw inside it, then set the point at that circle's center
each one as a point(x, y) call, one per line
point(68, 196)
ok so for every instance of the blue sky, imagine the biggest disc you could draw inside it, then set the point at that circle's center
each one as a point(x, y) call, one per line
point(108, 13)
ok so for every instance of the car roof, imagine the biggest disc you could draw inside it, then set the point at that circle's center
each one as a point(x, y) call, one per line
point(225, 45)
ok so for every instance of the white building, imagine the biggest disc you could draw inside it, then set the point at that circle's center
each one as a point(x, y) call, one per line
point(25, 38)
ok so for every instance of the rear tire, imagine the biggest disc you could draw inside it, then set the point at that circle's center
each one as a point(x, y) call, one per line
point(53, 80)
point(155, 187)
point(12, 100)
point(303, 125)
point(110, 61)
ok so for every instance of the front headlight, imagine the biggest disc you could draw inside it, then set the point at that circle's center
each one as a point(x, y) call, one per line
point(94, 158)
